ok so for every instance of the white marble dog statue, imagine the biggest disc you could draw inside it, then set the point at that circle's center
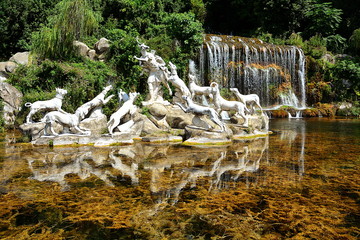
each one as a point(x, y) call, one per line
point(95, 103)
point(196, 89)
point(65, 119)
point(177, 81)
point(222, 104)
point(252, 100)
point(52, 104)
point(197, 109)
point(127, 107)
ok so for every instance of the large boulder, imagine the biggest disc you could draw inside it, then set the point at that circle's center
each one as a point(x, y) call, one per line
point(6, 68)
point(21, 58)
point(102, 46)
point(174, 116)
point(82, 48)
point(12, 99)
point(97, 125)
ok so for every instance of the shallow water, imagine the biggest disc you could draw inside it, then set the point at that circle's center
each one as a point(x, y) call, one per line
point(301, 182)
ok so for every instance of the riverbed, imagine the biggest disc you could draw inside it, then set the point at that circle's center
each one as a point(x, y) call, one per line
point(301, 182)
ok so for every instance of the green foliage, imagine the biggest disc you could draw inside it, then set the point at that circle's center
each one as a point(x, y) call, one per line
point(74, 21)
point(199, 9)
point(274, 12)
point(121, 56)
point(296, 40)
point(355, 42)
point(323, 18)
point(185, 29)
point(19, 18)
point(346, 79)
point(83, 81)
point(352, 111)
point(315, 46)
point(336, 43)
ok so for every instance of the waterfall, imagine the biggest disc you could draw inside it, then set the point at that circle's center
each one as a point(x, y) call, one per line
point(275, 73)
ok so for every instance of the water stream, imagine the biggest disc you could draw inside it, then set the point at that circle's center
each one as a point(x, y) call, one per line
point(300, 182)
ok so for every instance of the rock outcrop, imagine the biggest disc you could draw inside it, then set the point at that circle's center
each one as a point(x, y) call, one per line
point(12, 99)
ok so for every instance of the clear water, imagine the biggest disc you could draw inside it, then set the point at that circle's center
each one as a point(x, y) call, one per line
point(301, 182)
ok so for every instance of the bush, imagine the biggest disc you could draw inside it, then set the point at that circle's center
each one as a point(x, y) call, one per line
point(346, 79)
point(354, 42)
point(82, 80)
point(315, 46)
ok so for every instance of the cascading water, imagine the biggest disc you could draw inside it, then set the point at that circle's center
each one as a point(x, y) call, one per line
point(275, 73)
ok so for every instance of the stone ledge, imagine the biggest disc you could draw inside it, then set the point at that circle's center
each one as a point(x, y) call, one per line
point(72, 139)
point(196, 141)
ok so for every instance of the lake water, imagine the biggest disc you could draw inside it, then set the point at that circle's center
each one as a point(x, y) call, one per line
point(302, 182)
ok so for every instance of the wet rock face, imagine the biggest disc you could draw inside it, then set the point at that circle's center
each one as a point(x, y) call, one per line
point(11, 98)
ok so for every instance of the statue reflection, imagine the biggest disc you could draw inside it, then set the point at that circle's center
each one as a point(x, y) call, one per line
point(56, 165)
point(166, 170)
point(222, 168)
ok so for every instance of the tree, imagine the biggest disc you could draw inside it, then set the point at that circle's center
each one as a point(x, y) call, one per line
point(322, 19)
point(19, 18)
point(74, 20)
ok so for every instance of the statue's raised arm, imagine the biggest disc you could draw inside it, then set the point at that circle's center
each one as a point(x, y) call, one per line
point(155, 66)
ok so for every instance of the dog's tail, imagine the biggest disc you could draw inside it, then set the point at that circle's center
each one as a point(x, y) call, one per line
point(28, 104)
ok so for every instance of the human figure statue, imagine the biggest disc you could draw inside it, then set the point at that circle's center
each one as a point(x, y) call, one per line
point(155, 66)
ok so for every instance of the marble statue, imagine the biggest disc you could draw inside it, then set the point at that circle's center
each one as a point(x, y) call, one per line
point(95, 104)
point(127, 107)
point(177, 81)
point(52, 104)
point(201, 110)
point(196, 89)
point(66, 119)
point(252, 100)
point(155, 66)
point(222, 104)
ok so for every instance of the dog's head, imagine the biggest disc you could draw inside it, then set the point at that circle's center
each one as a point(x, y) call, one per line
point(108, 88)
point(214, 87)
point(143, 46)
point(133, 95)
point(61, 91)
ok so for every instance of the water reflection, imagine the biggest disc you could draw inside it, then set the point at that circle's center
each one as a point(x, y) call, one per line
point(166, 169)
point(294, 134)
point(303, 177)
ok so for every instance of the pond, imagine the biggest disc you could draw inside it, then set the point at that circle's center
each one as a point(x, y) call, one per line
point(301, 182)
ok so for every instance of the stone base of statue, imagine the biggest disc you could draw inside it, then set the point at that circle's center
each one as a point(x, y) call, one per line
point(97, 125)
point(196, 135)
point(258, 126)
point(172, 114)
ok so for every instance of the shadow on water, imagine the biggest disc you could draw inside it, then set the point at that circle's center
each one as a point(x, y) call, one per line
point(301, 182)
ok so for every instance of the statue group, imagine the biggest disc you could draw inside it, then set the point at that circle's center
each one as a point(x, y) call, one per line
point(188, 98)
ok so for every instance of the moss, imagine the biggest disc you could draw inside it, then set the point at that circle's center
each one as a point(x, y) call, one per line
point(280, 113)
